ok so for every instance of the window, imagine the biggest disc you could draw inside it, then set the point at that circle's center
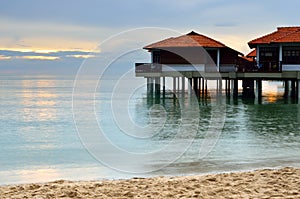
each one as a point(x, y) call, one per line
point(269, 54)
point(156, 57)
point(291, 55)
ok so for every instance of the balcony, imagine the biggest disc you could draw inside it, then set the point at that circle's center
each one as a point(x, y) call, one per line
point(171, 68)
point(271, 66)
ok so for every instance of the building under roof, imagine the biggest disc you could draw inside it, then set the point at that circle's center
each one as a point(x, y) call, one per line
point(281, 35)
point(191, 39)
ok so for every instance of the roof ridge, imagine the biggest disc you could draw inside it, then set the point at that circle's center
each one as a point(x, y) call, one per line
point(263, 36)
point(287, 34)
point(160, 42)
point(191, 39)
point(212, 39)
point(288, 27)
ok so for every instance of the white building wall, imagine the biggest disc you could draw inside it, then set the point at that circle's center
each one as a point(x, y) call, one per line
point(290, 67)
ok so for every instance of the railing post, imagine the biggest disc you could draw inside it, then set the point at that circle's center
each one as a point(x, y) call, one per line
point(280, 66)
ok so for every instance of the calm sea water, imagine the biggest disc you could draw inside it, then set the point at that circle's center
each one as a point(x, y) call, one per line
point(39, 141)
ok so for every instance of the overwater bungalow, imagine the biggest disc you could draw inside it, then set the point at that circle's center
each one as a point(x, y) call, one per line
point(180, 52)
point(188, 55)
point(277, 51)
point(275, 56)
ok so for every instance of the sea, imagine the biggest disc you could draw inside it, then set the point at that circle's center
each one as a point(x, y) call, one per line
point(48, 134)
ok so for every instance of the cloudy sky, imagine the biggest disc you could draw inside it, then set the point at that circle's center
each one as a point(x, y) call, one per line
point(44, 37)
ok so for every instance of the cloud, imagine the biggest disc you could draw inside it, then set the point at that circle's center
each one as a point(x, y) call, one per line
point(3, 57)
point(114, 13)
point(49, 55)
point(38, 57)
point(81, 56)
point(59, 35)
point(49, 36)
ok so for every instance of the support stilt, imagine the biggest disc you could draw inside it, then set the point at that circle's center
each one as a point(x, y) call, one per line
point(164, 87)
point(259, 90)
point(286, 88)
point(235, 88)
point(157, 86)
point(203, 87)
point(190, 86)
point(293, 89)
point(174, 85)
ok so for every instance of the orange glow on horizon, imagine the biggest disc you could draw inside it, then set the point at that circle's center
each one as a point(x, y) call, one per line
point(45, 51)
point(38, 57)
point(49, 50)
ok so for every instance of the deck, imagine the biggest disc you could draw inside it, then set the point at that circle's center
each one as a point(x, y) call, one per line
point(198, 75)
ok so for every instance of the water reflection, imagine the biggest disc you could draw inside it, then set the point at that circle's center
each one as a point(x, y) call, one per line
point(273, 91)
point(254, 134)
point(38, 100)
point(39, 133)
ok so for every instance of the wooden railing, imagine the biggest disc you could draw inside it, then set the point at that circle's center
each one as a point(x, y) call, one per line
point(262, 67)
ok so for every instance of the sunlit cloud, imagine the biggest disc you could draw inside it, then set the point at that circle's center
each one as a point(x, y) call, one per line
point(81, 56)
point(46, 51)
point(47, 55)
point(48, 37)
point(38, 57)
point(3, 57)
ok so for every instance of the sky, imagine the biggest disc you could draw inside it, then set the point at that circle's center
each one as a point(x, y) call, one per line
point(55, 37)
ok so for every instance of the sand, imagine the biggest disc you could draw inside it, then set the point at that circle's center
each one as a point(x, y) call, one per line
point(267, 183)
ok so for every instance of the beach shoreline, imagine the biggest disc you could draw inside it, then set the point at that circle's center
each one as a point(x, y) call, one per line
point(263, 183)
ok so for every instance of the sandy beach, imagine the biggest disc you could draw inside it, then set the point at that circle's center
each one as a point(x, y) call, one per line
point(267, 183)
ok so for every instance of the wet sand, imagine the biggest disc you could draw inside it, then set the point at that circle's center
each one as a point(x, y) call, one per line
point(267, 183)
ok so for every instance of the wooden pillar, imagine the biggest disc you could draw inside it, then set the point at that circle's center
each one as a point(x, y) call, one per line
point(206, 91)
point(164, 87)
point(190, 86)
point(228, 89)
point(157, 90)
point(293, 89)
point(259, 89)
point(148, 84)
point(203, 86)
point(248, 89)
point(286, 88)
point(220, 86)
point(174, 85)
point(183, 84)
point(157, 86)
point(151, 85)
point(235, 88)
point(298, 89)
point(195, 79)
point(199, 86)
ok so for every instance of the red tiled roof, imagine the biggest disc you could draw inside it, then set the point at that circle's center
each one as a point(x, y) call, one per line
point(191, 39)
point(245, 58)
point(252, 53)
point(282, 35)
